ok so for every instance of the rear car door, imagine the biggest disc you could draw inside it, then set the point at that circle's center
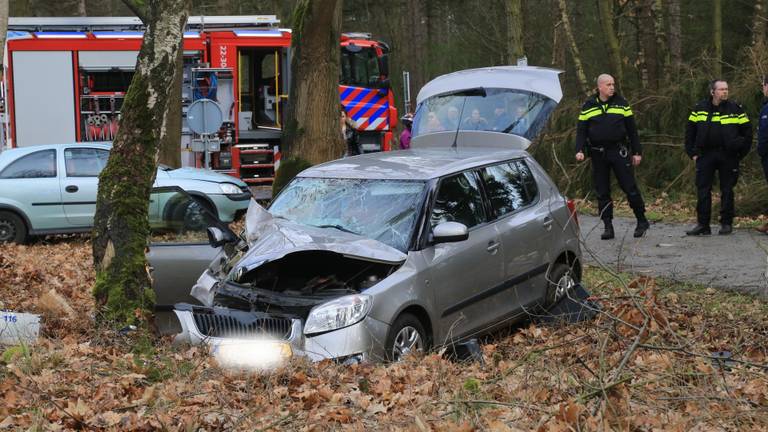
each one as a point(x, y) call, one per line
point(80, 183)
point(463, 273)
point(31, 181)
point(525, 227)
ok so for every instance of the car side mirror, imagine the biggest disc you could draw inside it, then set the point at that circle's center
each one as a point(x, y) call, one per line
point(449, 232)
point(218, 238)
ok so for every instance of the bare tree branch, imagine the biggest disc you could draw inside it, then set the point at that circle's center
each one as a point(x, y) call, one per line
point(138, 8)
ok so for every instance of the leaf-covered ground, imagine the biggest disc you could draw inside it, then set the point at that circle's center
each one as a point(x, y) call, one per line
point(650, 361)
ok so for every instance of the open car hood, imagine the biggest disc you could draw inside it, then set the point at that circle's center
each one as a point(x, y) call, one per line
point(272, 238)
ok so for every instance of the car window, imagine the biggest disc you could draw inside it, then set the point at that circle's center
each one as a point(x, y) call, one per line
point(458, 200)
point(40, 164)
point(85, 162)
point(504, 186)
point(531, 188)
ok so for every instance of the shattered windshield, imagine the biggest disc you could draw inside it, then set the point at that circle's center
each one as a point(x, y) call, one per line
point(511, 111)
point(384, 210)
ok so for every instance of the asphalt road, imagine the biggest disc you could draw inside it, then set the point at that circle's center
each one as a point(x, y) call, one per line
point(738, 261)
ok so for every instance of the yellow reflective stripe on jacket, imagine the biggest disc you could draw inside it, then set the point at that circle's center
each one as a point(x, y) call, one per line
point(700, 116)
point(586, 115)
point(596, 111)
point(625, 111)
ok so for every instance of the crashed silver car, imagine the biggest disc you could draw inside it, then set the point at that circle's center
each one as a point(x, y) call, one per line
point(379, 255)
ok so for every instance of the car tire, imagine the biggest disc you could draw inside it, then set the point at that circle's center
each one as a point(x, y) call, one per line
point(12, 228)
point(406, 335)
point(188, 215)
point(560, 280)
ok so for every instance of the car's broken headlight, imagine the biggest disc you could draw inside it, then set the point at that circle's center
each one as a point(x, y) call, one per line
point(338, 313)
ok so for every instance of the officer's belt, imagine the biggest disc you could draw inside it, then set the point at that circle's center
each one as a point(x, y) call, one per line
point(606, 145)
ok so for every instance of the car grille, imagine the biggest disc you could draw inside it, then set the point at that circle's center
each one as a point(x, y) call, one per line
point(214, 325)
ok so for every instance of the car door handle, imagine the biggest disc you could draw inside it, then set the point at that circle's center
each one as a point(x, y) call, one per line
point(493, 247)
point(547, 224)
point(71, 189)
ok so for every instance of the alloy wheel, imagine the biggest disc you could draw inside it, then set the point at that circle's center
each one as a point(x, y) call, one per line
point(564, 285)
point(408, 340)
point(7, 230)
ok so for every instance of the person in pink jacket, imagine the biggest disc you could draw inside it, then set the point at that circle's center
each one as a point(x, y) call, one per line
point(405, 135)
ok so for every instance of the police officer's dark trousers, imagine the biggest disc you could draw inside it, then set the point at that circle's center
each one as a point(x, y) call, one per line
point(727, 166)
point(605, 160)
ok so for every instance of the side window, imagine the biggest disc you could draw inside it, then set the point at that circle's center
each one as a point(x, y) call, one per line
point(85, 162)
point(40, 164)
point(531, 188)
point(504, 186)
point(458, 200)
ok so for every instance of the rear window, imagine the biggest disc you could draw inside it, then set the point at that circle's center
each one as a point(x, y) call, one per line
point(40, 164)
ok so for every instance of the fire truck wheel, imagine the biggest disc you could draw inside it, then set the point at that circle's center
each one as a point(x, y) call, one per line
point(12, 228)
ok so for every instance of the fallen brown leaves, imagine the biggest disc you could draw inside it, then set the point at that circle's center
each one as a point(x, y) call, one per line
point(646, 363)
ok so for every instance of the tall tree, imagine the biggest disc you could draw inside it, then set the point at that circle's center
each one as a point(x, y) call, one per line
point(515, 48)
point(312, 132)
point(675, 36)
point(607, 16)
point(759, 24)
point(3, 30)
point(647, 33)
point(121, 230)
point(717, 35)
point(566, 23)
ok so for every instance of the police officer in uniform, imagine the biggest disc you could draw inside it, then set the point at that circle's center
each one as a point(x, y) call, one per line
point(717, 136)
point(605, 125)
point(762, 140)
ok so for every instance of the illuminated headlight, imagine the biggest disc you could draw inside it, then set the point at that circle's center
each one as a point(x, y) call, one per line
point(338, 313)
point(229, 189)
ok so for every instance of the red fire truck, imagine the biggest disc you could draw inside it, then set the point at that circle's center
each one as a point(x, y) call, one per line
point(66, 78)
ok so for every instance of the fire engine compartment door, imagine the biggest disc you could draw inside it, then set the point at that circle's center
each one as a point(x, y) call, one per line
point(44, 99)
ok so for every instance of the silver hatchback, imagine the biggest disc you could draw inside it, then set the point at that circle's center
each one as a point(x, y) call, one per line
point(379, 255)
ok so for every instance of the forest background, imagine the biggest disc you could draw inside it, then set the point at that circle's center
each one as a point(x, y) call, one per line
point(662, 53)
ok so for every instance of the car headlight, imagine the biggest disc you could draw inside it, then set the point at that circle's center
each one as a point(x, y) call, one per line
point(229, 189)
point(338, 313)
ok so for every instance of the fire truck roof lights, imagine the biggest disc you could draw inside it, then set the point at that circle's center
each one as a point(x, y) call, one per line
point(82, 24)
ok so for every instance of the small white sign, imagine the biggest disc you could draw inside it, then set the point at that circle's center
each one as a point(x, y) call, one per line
point(18, 327)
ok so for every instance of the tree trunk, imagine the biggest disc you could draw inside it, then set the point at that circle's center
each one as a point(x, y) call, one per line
point(170, 147)
point(313, 132)
point(3, 31)
point(605, 8)
point(566, 23)
point(717, 35)
point(558, 42)
point(648, 43)
point(515, 48)
point(121, 230)
point(758, 24)
point(81, 10)
point(675, 37)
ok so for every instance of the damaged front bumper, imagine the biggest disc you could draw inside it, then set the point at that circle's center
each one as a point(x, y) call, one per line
point(224, 327)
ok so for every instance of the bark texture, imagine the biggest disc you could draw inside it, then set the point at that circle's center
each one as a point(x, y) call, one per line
point(312, 131)
point(170, 147)
point(675, 37)
point(605, 8)
point(3, 30)
point(121, 230)
point(577, 64)
point(647, 26)
point(515, 50)
point(717, 36)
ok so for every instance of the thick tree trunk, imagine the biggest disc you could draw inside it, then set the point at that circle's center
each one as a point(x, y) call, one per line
point(121, 229)
point(313, 132)
point(717, 35)
point(566, 23)
point(170, 147)
point(675, 37)
point(605, 8)
point(515, 48)
point(81, 9)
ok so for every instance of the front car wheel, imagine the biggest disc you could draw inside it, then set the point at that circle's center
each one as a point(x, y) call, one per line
point(406, 336)
point(12, 228)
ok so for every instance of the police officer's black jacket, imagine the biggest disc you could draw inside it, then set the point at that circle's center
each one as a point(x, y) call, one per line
point(726, 121)
point(606, 124)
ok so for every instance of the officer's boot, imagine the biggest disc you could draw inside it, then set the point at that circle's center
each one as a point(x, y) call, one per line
point(642, 224)
point(608, 231)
